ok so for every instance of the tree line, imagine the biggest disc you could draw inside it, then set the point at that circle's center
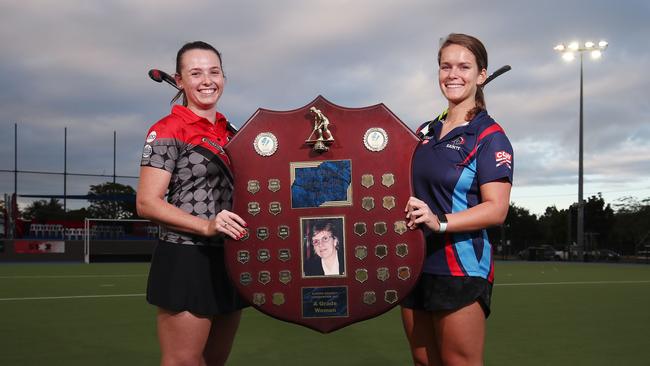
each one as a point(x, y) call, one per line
point(624, 228)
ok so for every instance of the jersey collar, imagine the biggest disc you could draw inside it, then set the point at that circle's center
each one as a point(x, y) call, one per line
point(190, 117)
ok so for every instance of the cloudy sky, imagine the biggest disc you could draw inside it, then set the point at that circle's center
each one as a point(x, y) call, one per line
point(83, 65)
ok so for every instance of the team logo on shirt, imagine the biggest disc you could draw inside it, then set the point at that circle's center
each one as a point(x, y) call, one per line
point(455, 145)
point(503, 158)
point(151, 137)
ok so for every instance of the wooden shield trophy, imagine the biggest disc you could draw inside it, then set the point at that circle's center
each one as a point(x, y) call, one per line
point(323, 190)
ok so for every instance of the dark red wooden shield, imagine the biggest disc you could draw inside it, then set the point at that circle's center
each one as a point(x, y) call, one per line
point(319, 185)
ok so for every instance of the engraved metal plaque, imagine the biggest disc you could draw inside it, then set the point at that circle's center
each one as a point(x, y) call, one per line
point(383, 273)
point(245, 278)
point(360, 228)
point(400, 227)
point(253, 186)
point(375, 139)
point(263, 255)
point(388, 179)
point(380, 228)
point(367, 180)
point(262, 233)
point(401, 250)
point(403, 273)
point(259, 298)
point(381, 251)
point(361, 275)
point(284, 254)
point(277, 298)
point(285, 276)
point(253, 208)
point(283, 231)
point(369, 297)
point(390, 296)
point(264, 277)
point(368, 203)
point(388, 202)
point(361, 252)
point(275, 208)
point(243, 256)
point(274, 185)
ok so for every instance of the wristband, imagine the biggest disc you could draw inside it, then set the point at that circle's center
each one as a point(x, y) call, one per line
point(442, 219)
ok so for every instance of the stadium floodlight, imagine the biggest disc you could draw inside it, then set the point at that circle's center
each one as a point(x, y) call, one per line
point(568, 54)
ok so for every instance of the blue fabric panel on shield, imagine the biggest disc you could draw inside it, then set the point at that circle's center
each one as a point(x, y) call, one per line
point(327, 182)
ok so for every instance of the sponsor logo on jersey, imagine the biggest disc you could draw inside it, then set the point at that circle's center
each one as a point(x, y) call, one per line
point(503, 158)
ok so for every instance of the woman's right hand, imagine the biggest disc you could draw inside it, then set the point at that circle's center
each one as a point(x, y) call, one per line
point(228, 223)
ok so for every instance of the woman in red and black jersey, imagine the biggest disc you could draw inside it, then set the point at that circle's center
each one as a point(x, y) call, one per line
point(186, 186)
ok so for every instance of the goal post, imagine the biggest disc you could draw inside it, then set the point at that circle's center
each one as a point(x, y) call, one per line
point(118, 237)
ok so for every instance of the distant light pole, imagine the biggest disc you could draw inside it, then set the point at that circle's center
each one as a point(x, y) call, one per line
point(568, 54)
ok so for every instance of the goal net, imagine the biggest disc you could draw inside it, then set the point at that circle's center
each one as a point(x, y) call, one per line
point(118, 239)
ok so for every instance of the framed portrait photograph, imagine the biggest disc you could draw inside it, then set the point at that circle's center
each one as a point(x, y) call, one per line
point(323, 246)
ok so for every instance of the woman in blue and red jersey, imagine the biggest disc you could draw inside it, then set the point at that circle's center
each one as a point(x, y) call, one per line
point(462, 176)
point(183, 158)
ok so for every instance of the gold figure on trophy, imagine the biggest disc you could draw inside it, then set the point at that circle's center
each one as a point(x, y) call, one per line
point(321, 129)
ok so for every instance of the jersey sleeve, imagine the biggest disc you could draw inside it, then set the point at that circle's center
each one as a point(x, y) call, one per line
point(495, 159)
point(162, 146)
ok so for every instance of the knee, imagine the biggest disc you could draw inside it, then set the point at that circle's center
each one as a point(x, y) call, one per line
point(180, 358)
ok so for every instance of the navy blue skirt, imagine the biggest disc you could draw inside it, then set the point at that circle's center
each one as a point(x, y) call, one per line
point(449, 293)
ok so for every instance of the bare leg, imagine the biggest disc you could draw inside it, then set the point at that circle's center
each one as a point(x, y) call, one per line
point(460, 335)
point(418, 326)
point(182, 337)
point(220, 340)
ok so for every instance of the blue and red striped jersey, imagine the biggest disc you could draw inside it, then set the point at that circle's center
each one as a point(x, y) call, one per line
point(447, 175)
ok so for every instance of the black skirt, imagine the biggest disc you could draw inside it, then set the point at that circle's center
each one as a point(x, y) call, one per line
point(448, 293)
point(191, 278)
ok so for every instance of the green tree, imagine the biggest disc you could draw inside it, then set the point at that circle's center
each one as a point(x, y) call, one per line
point(631, 231)
point(599, 221)
point(43, 210)
point(521, 228)
point(111, 201)
point(554, 227)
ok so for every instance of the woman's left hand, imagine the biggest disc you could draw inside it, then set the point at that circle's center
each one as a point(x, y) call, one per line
point(418, 212)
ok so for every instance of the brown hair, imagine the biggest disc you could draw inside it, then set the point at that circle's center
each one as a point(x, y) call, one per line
point(477, 48)
point(196, 45)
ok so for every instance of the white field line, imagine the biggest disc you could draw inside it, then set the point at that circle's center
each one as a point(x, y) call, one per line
point(571, 283)
point(67, 297)
point(498, 284)
point(71, 276)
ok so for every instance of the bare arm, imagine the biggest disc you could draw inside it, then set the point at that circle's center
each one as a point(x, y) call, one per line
point(151, 204)
point(490, 212)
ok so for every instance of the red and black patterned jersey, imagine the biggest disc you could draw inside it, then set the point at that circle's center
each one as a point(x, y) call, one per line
point(191, 149)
